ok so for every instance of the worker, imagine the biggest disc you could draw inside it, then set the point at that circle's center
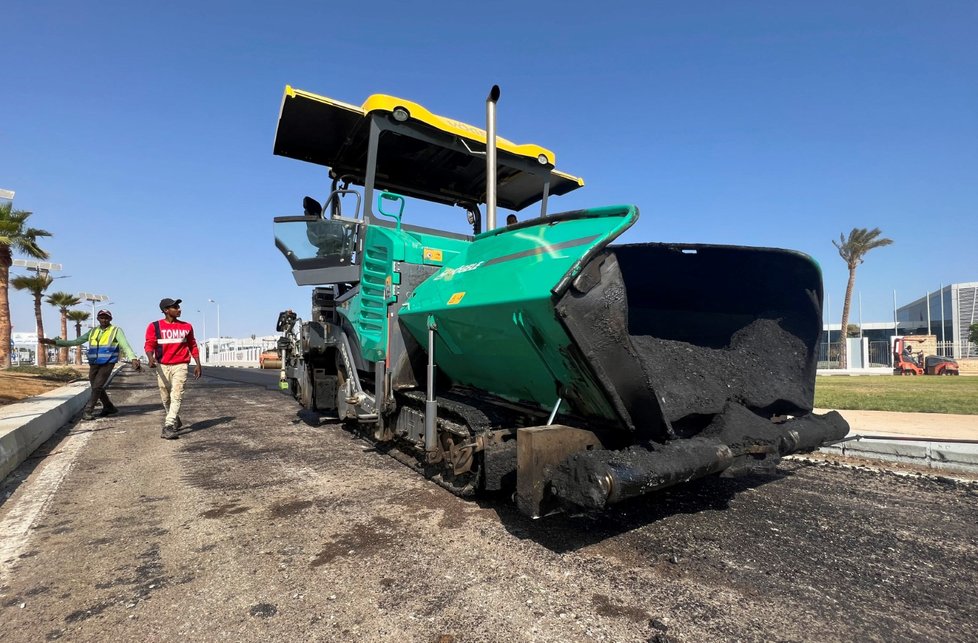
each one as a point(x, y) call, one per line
point(170, 345)
point(908, 354)
point(104, 345)
point(511, 219)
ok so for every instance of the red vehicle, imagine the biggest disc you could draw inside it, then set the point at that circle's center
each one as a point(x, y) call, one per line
point(906, 362)
point(270, 359)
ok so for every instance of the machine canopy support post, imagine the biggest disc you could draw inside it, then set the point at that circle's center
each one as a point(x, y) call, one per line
point(546, 195)
point(430, 405)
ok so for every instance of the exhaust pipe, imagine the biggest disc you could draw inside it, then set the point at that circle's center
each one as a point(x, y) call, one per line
point(491, 157)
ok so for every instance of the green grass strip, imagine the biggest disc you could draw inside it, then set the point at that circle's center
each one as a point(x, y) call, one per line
point(920, 394)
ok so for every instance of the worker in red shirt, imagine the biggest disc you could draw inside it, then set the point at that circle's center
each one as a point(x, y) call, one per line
point(170, 344)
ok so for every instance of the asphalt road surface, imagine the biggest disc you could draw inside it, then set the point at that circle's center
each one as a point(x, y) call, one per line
point(260, 524)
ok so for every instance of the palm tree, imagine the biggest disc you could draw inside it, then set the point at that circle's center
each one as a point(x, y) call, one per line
point(14, 235)
point(852, 251)
point(63, 301)
point(36, 284)
point(78, 316)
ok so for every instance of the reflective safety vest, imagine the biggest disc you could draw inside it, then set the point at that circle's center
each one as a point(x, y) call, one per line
point(102, 347)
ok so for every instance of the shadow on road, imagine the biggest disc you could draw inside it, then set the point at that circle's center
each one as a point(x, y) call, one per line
point(562, 533)
point(205, 424)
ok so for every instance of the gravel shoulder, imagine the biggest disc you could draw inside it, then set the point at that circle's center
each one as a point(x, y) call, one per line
point(16, 386)
point(259, 524)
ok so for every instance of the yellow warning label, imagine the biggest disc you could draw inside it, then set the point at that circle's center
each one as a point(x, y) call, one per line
point(432, 254)
point(454, 299)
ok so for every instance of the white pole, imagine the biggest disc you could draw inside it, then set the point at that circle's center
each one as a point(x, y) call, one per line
point(927, 298)
point(828, 327)
point(218, 325)
point(91, 297)
point(896, 329)
point(896, 326)
point(942, 312)
point(203, 328)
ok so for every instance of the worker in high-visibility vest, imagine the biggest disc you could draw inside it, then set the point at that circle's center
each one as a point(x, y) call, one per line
point(105, 342)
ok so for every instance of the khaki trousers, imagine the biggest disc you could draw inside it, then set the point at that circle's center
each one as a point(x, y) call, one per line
point(172, 378)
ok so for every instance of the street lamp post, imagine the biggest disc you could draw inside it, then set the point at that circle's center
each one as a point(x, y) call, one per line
point(41, 268)
point(93, 298)
point(218, 324)
point(203, 329)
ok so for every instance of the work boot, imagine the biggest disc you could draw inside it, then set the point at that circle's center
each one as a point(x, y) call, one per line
point(178, 424)
point(169, 433)
point(88, 416)
point(108, 411)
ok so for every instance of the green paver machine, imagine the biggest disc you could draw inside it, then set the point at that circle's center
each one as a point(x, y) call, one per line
point(535, 357)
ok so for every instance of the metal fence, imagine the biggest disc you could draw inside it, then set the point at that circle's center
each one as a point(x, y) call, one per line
point(957, 349)
point(233, 352)
point(828, 355)
point(881, 355)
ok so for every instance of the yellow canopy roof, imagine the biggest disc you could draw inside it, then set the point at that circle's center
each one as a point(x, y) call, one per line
point(328, 132)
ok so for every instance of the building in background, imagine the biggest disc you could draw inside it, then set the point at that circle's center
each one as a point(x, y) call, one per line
point(23, 349)
point(947, 313)
point(226, 351)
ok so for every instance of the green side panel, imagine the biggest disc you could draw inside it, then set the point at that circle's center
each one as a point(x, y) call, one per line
point(382, 248)
point(493, 304)
point(432, 249)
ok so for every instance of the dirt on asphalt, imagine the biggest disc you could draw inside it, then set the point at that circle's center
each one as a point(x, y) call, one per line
point(260, 524)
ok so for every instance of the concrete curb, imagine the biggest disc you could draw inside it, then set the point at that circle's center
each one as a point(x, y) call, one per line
point(24, 426)
point(937, 455)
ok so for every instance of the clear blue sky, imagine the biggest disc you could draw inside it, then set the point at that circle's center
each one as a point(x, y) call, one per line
point(140, 134)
